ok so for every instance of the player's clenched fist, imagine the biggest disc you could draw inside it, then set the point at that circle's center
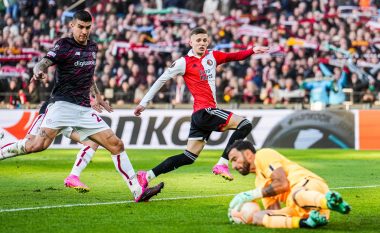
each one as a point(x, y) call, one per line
point(39, 75)
point(139, 109)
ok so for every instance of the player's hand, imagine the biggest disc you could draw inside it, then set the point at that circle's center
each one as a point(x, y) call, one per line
point(244, 197)
point(40, 75)
point(139, 109)
point(105, 105)
point(98, 104)
point(260, 49)
point(239, 200)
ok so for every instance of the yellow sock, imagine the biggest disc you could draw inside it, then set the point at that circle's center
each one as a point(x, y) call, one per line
point(280, 221)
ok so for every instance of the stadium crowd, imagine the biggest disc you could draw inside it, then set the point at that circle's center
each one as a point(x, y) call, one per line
point(322, 50)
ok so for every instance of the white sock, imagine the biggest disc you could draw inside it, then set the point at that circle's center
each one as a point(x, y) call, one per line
point(150, 175)
point(13, 149)
point(124, 167)
point(222, 161)
point(84, 156)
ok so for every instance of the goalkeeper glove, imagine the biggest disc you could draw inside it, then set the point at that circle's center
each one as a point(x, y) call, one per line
point(243, 197)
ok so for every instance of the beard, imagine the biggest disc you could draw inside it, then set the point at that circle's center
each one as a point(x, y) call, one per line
point(246, 168)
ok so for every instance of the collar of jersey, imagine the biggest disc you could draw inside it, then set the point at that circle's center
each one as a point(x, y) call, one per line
point(79, 45)
point(191, 54)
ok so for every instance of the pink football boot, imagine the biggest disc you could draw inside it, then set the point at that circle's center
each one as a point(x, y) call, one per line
point(223, 171)
point(72, 181)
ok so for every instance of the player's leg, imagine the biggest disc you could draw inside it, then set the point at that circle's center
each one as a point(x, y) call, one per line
point(242, 128)
point(277, 219)
point(84, 156)
point(113, 144)
point(194, 148)
point(25, 146)
point(32, 132)
point(198, 137)
point(315, 193)
point(93, 127)
point(52, 121)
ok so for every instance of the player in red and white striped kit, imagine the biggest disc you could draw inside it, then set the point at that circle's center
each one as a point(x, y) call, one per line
point(198, 68)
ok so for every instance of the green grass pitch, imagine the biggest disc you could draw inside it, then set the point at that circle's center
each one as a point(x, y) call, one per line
point(37, 181)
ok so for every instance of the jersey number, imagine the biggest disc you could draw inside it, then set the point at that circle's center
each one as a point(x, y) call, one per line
point(98, 119)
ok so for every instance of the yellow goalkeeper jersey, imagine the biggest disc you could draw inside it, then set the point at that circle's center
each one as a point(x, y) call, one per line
point(267, 160)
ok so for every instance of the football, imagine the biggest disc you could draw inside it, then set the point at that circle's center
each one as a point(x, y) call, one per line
point(245, 215)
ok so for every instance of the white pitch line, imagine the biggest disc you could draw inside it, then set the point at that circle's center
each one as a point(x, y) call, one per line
point(158, 199)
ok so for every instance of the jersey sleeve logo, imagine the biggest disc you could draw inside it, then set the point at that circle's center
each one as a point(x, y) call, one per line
point(51, 54)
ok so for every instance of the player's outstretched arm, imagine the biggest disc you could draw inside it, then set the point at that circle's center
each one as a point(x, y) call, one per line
point(222, 57)
point(40, 69)
point(178, 67)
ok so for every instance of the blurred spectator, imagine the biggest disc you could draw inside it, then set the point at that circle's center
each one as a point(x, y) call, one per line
point(140, 92)
point(319, 89)
point(358, 86)
point(125, 95)
point(269, 94)
point(13, 99)
point(179, 90)
point(33, 93)
point(336, 94)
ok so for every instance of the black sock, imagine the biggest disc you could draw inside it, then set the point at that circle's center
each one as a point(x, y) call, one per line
point(243, 129)
point(303, 224)
point(174, 162)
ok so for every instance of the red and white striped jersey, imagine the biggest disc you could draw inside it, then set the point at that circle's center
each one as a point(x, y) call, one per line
point(199, 75)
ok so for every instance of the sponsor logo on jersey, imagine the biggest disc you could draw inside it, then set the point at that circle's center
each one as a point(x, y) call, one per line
point(77, 53)
point(205, 74)
point(84, 63)
point(51, 54)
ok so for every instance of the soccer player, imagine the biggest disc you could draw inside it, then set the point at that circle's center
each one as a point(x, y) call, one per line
point(306, 196)
point(198, 68)
point(75, 58)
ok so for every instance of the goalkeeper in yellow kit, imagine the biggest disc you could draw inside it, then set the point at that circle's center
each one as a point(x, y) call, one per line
point(306, 196)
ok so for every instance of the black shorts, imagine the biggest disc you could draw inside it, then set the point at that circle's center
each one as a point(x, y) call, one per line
point(204, 121)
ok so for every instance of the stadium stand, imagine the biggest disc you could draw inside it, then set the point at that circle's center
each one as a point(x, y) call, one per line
point(317, 42)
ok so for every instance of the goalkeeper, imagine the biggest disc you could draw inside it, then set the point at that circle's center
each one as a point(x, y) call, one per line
point(306, 196)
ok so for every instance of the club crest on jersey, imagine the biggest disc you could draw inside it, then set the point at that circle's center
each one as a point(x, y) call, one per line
point(209, 62)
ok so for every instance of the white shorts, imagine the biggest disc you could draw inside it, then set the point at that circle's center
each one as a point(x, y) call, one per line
point(37, 125)
point(84, 120)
